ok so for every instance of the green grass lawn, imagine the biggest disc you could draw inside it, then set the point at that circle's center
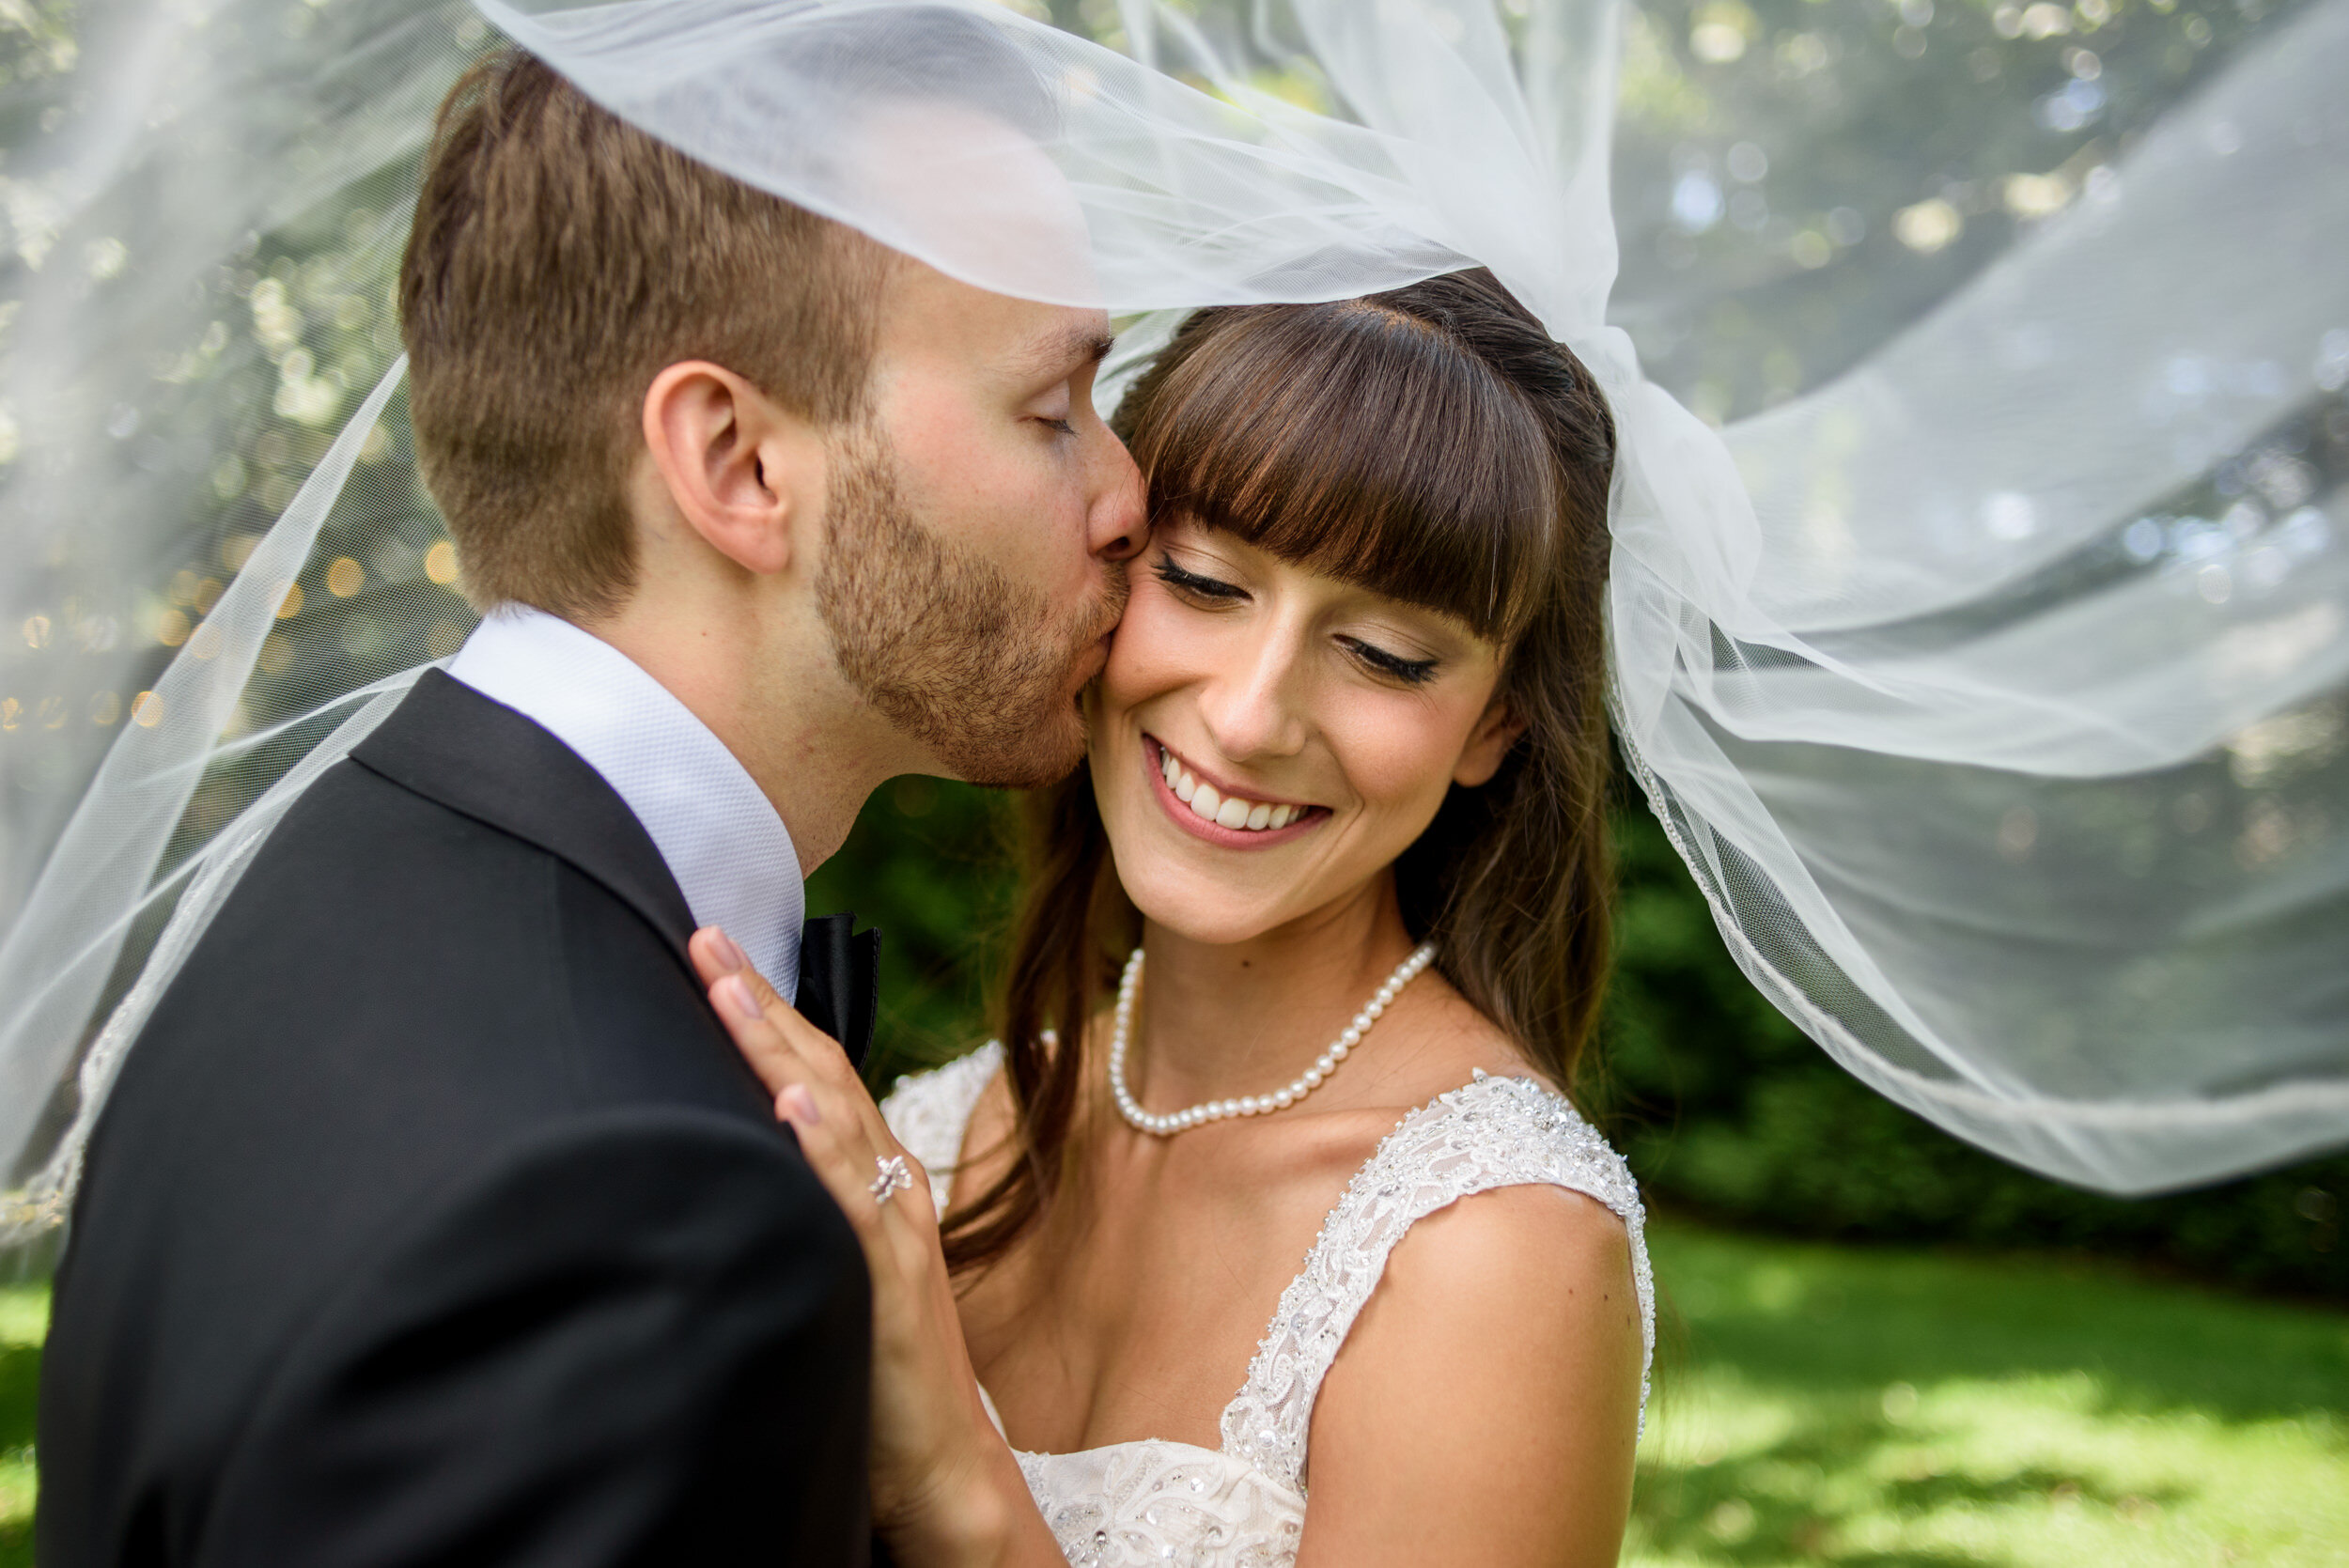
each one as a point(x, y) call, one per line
point(1893, 1409)
point(24, 1322)
point(1906, 1409)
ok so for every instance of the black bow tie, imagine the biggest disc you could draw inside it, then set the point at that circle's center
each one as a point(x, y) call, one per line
point(840, 981)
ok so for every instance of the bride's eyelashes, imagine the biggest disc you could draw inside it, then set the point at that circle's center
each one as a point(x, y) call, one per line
point(1410, 671)
point(1192, 586)
point(1213, 593)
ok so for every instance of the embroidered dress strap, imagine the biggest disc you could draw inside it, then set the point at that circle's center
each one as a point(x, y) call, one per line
point(1494, 1132)
point(931, 1111)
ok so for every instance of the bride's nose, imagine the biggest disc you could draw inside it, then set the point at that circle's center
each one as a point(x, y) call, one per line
point(1253, 705)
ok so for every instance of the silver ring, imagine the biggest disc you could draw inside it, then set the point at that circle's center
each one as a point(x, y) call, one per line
point(893, 1179)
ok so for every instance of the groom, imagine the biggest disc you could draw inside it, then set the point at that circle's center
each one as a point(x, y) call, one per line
point(434, 1219)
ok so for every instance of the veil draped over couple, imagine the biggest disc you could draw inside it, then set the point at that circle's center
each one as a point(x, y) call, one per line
point(1219, 432)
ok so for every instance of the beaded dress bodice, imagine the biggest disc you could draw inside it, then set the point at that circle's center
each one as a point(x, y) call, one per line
point(1242, 1505)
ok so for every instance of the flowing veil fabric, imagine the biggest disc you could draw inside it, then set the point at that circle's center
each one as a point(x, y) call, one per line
point(1990, 679)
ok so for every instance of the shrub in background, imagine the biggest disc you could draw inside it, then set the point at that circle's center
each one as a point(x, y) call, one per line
point(1721, 1106)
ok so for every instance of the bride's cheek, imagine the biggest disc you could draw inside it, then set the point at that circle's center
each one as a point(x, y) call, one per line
point(1400, 765)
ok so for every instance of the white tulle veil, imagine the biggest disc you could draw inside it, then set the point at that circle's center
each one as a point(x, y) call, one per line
point(1987, 666)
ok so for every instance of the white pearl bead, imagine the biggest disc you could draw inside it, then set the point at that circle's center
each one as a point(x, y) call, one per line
point(1129, 1107)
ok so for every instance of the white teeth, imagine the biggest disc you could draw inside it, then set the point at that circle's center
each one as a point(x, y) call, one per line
point(1225, 810)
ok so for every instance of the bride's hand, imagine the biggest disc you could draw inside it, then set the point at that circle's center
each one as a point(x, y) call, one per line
point(939, 1470)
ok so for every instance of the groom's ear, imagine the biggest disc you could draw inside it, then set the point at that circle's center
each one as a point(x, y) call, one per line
point(743, 472)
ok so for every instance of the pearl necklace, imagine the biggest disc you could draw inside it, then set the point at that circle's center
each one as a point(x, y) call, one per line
point(1246, 1105)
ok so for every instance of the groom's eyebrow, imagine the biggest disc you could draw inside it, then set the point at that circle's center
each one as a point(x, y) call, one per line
point(1065, 352)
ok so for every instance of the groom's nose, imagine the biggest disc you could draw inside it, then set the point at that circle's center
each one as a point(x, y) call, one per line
point(1119, 524)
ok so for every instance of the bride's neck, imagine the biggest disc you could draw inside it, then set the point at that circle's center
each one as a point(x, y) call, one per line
point(1221, 1019)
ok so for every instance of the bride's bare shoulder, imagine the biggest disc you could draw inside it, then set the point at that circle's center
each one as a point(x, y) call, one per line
point(1492, 1383)
point(1450, 1040)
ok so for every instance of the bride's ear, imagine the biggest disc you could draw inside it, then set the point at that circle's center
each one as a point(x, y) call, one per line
point(742, 473)
point(1497, 729)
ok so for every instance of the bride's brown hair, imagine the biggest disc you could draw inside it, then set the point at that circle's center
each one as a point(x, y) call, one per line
point(1434, 446)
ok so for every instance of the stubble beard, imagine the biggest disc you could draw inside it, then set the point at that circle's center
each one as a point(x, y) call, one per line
point(950, 648)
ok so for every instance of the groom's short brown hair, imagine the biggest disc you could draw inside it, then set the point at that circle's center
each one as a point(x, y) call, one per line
point(560, 258)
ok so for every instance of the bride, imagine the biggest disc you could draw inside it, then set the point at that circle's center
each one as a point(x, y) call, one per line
point(1343, 805)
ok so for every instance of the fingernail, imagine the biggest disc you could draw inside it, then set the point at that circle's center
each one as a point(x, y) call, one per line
point(737, 992)
point(795, 1104)
point(729, 953)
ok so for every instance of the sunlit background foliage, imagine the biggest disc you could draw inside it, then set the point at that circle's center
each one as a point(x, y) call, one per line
point(1827, 1404)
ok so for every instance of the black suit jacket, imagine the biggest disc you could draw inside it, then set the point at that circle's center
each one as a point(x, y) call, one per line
point(434, 1219)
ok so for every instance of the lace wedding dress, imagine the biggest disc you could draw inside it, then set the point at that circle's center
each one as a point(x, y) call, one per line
point(1242, 1505)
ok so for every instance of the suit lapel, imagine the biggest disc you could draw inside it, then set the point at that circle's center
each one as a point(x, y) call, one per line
point(450, 744)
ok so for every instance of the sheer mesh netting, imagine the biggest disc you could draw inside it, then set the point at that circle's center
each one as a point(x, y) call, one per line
point(1977, 615)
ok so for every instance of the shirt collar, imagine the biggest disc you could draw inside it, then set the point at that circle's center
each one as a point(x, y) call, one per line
point(717, 831)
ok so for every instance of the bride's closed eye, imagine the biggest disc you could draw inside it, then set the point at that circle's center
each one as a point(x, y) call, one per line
point(1410, 671)
point(1205, 592)
point(1196, 587)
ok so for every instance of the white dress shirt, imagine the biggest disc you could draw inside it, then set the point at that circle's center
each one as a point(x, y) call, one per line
point(714, 827)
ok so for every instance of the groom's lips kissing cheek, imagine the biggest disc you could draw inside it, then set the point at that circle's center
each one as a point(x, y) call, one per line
point(1220, 811)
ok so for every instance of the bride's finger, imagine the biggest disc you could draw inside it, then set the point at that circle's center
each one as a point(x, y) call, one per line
point(852, 1169)
point(781, 1046)
point(843, 1161)
point(722, 966)
point(787, 1049)
point(762, 1040)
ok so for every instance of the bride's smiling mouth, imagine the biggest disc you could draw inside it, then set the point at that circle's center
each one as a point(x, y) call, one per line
point(1208, 810)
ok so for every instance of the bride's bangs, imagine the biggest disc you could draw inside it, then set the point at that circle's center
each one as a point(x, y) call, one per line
point(1356, 441)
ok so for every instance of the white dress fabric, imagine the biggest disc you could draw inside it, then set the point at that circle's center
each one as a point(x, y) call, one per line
point(1242, 1505)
